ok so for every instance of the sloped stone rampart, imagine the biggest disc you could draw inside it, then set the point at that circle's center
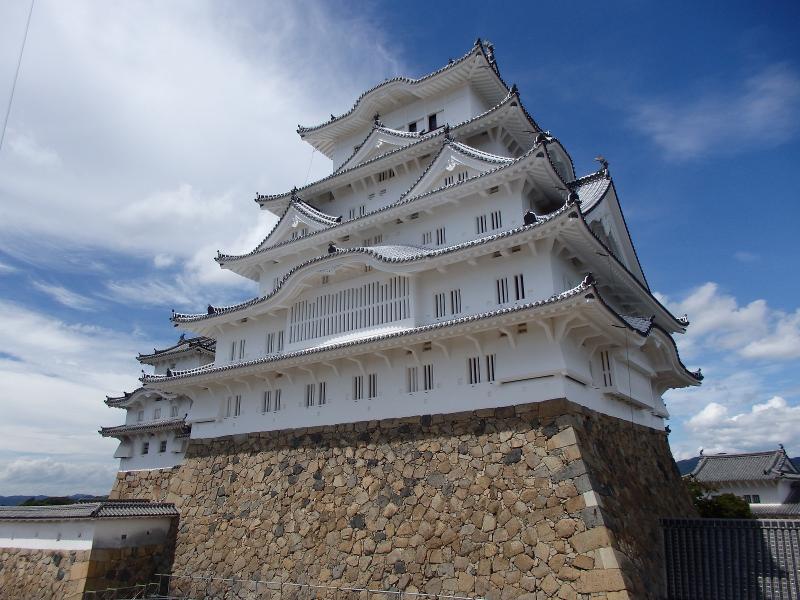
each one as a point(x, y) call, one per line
point(545, 500)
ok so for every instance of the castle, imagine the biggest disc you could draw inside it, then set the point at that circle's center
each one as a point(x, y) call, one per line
point(450, 382)
point(452, 261)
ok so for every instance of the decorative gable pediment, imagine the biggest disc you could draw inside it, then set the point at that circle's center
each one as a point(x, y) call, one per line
point(455, 164)
point(380, 141)
point(300, 219)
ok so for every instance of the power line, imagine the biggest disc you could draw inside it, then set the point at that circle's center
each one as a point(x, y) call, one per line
point(16, 75)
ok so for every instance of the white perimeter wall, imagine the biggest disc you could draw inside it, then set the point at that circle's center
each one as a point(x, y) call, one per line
point(83, 534)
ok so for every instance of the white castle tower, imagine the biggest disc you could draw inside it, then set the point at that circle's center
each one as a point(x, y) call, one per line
point(452, 261)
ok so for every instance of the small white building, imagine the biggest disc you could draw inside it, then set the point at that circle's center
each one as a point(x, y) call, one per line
point(155, 432)
point(768, 481)
point(86, 525)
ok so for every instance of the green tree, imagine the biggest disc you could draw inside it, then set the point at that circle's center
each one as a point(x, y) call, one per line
point(716, 506)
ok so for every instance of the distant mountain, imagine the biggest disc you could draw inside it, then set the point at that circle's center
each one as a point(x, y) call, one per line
point(17, 500)
point(687, 465)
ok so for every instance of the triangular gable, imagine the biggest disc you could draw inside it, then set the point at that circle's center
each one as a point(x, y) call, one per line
point(601, 207)
point(455, 163)
point(380, 141)
point(298, 220)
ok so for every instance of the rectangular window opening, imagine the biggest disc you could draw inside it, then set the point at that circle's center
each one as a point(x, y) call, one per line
point(427, 377)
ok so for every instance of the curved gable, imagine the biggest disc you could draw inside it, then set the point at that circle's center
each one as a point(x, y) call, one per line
point(455, 163)
point(298, 220)
point(380, 141)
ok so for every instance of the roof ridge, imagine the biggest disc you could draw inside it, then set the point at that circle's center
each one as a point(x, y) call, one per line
point(189, 318)
point(478, 45)
point(403, 199)
point(423, 138)
point(586, 284)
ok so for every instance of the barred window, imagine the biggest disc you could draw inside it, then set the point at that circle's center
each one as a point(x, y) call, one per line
point(358, 387)
point(427, 377)
point(310, 395)
point(455, 301)
point(501, 286)
point(480, 224)
point(323, 393)
point(439, 308)
point(474, 370)
point(490, 362)
point(519, 287)
point(412, 380)
point(372, 385)
point(605, 366)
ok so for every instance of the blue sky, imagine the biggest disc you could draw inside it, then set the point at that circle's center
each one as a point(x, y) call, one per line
point(140, 132)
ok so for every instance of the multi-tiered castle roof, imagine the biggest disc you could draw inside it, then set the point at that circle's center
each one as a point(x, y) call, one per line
point(451, 261)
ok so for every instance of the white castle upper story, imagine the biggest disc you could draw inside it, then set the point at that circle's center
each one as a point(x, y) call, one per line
point(452, 261)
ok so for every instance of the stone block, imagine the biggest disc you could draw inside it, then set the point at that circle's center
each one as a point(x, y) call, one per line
point(597, 537)
point(601, 580)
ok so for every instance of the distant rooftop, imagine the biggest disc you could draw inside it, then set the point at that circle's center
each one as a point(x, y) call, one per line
point(751, 466)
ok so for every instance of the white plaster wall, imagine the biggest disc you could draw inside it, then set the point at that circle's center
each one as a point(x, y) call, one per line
point(459, 221)
point(154, 459)
point(127, 533)
point(182, 362)
point(769, 492)
point(47, 535)
point(150, 405)
point(533, 371)
point(83, 534)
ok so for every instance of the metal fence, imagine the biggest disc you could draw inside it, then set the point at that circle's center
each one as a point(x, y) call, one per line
point(732, 559)
point(200, 587)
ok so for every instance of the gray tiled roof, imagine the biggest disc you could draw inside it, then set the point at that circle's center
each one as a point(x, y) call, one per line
point(479, 46)
point(789, 509)
point(753, 466)
point(160, 425)
point(586, 284)
point(377, 252)
point(89, 510)
point(638, 323)
point(591, 189)
point(199, 342)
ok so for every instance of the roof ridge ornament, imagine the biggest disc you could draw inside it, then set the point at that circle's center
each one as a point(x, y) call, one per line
point(446, 130)
point(603, 163)
point(376, 119)
point(294, 197)
point(489, 46)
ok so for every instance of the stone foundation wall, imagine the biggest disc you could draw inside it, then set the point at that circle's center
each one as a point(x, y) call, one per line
point(57, 575)
point(541, 500)
point(42, 574)
point(123, 567)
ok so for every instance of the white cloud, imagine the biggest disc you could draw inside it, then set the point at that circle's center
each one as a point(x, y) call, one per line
point(51, 476)
point(170, 117)
point(7, 269)
point(64, 296)
point(765, 106)
point(746, 257)
point(53, 378)
point(764, 426)
point(25, 147)
point(720, 322)
point(162, 261)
